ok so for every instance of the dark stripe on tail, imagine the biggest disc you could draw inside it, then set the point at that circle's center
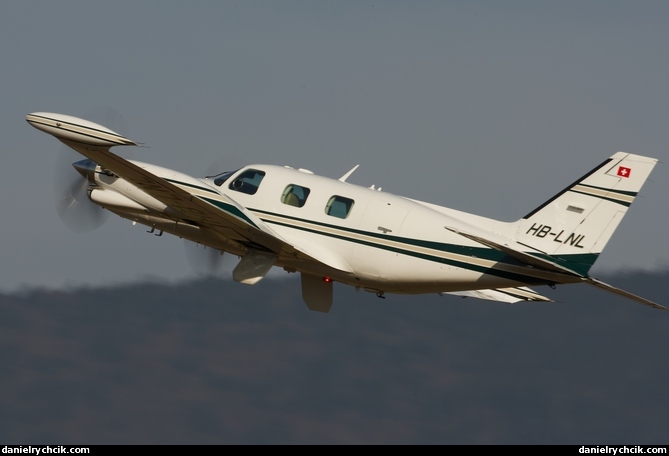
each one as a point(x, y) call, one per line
point(568, 188)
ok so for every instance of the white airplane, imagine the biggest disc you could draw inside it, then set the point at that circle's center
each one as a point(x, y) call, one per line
point(329, 230)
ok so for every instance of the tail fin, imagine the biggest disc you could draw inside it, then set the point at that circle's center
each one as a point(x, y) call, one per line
point(576, 224)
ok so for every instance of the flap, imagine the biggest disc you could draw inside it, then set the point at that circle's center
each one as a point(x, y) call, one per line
point(508, 295)
point(253, 266)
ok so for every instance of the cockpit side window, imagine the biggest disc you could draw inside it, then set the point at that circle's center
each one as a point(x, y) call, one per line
point(248, 181)
point(221, 178)
point(294, 195)
point(339, 206)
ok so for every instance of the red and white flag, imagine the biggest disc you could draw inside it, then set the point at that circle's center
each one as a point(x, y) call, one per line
point(624, 172)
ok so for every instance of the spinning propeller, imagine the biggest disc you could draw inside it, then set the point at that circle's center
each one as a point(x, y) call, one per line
point(207, 261)
point(70, 188)
point(80, 214)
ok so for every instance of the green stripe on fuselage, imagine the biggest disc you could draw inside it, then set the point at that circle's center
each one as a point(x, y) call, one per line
point(476, 252)
point(230, 209)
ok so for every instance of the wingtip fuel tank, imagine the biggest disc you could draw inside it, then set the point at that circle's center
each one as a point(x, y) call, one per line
point(75, 129)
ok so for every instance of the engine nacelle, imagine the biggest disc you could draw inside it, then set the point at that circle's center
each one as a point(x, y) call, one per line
point(112, 200)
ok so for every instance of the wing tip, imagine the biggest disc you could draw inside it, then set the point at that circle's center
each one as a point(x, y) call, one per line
point(610, 288)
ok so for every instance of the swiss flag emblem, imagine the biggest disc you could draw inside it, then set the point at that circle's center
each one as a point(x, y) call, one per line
point(624, 172)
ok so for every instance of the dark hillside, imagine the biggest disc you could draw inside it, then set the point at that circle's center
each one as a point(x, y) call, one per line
point(218, 362)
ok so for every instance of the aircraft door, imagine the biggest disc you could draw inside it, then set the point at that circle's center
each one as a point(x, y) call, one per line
point(374, 252)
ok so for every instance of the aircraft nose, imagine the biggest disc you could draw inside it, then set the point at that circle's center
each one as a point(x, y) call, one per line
point(86, 168)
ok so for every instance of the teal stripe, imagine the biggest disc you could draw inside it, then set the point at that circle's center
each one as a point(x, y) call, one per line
point(580, 263)
point(479, 252)
point(436, 259)
point(485, 253)
point(204, 189)
point(230, 209)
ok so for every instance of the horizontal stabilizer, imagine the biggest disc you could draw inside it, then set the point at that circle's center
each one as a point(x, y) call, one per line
point(627, 294)
point(508, 295)
point(519, 255)
point(545, 264)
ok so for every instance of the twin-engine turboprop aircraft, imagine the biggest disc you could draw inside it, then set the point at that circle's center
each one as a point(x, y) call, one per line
point(329, 230)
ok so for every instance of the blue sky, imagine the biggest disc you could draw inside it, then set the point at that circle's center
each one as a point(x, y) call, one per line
point(487, 107)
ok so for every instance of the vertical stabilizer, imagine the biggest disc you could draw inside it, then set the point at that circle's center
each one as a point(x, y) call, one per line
point(576, 224)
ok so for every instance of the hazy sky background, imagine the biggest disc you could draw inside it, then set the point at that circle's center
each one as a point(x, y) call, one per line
point(485, 106)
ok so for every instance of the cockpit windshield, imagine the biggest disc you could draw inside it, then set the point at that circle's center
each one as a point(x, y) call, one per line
point(219, 179)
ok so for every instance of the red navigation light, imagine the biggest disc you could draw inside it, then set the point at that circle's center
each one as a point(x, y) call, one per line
point(327, 279)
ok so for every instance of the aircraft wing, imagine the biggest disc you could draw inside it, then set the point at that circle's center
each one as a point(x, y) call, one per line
point(223, 216)
point(503, 246)
point(508, 295)
point(226, 215)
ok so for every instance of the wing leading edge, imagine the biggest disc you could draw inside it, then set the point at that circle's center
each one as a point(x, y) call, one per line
point(220, 215)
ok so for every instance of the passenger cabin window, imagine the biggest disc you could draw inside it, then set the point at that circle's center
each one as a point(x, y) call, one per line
point(294, 195)
point(338, 206)
point(248, 181)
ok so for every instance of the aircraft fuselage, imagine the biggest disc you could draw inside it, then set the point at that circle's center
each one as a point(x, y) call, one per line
point(387, 243)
